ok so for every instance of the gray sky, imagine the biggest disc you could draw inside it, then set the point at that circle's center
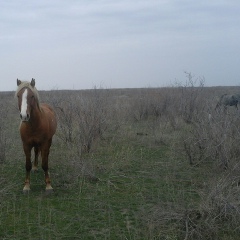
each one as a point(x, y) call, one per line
point(79, 44)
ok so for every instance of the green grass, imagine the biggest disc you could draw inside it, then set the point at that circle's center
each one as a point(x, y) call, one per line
point(133, 179)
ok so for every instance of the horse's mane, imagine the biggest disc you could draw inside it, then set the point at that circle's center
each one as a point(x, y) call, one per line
point(26, 84)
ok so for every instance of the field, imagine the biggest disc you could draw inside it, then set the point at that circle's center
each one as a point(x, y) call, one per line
point(127, 164)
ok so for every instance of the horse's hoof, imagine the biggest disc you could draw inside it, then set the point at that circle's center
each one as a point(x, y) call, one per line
point(26, 191)
point(26, 187)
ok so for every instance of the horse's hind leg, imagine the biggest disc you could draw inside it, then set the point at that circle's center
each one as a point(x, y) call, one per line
point(45, 153)
point(35, 163)
point(27, 151)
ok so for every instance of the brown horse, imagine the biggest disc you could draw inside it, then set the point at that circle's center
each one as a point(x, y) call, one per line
point(37, 128)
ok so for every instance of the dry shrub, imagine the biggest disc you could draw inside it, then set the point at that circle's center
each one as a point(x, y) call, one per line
point(141, 105)
point(176, 221)
point(92, 118)
point(217, 209)
point(215, 139)
point(149, 103)
point(189, 98)
point(220, 205)
point(82, 117)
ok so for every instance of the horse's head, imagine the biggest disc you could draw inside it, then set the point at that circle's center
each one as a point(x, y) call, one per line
point(26, 99)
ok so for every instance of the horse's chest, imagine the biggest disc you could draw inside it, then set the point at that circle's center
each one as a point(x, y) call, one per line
point(33, 136)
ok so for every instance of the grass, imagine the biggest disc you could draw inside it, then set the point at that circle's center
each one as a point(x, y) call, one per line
point(133, 179)
point(130, 186)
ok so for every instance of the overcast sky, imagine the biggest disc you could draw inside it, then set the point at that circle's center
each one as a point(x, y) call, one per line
point(80, 44)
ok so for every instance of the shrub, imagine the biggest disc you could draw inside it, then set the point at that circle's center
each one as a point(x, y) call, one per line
point(82, 118)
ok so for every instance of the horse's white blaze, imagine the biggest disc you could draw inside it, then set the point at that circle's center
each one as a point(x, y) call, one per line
point(24, 105)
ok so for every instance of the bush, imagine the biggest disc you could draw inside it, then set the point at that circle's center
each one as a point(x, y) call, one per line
point(82, 118)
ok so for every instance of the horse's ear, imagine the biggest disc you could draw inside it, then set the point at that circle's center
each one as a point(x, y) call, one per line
point(18, 82)
point(33, 82)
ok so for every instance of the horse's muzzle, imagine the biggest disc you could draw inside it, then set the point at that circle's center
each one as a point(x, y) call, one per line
point(24, 117)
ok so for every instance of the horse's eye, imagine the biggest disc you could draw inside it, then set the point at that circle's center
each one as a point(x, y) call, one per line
point(32, 96)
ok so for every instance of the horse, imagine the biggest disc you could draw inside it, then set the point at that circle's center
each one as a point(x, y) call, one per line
point(228, 100)
point(37, 127)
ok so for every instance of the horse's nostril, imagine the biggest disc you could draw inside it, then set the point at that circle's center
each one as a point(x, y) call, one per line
point(20, 115)
point(28, 116)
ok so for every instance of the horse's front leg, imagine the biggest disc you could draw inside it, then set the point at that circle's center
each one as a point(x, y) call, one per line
point(45, 153)
point(27, 151)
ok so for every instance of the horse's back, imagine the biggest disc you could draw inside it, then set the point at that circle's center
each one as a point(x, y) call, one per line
point(50, 117)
